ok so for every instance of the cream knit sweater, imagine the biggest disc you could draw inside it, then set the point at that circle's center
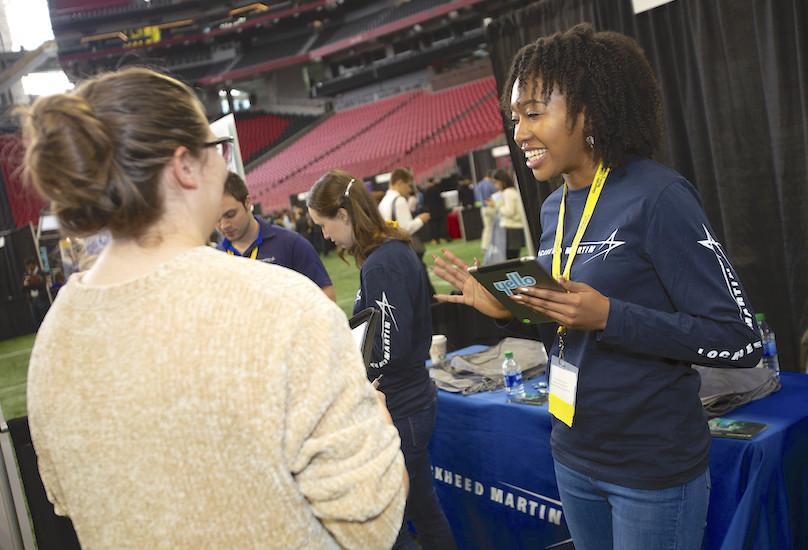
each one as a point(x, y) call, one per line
point(217, 402)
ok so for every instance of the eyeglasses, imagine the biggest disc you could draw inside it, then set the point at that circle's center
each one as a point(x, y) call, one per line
point(224, 146)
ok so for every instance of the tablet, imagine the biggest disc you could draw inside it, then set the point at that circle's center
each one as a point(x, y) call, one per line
point(364, 327)
point(503, 278)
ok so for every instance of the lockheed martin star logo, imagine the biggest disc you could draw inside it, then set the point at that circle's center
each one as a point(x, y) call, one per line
point(733, 286)
point(608, 245)
point(387, 309)
point(711, 243)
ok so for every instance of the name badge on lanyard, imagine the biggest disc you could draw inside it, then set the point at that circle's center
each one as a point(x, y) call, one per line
point(564, 375)
point(253, 254)
point(563, 389)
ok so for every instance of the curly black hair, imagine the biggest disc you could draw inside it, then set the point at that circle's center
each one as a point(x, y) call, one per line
point(604, 74)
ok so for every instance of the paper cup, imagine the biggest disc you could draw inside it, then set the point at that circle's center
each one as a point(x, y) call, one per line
point(437, 350)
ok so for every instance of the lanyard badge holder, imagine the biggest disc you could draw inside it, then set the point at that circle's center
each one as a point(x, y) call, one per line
point(254, 254)
point(564, 375)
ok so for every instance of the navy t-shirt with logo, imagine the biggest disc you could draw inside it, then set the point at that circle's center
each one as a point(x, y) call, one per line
point(277, 245)
point(393, 281)
point(675, 300)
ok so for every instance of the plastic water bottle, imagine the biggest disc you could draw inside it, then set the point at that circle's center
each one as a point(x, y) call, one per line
point(512, 374)
point(769, 346)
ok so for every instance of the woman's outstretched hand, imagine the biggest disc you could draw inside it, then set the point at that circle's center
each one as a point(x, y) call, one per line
point(454, 271)
point(580, 307)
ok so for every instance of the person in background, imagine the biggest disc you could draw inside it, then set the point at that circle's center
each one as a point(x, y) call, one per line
point(286, 219)
point(646, 291)
point(35, 287)
point(436, 208)
point(393, 281)
point(413, 199)
point(174, 397)
point(58, 282)
point(303, 223)
point(511, 214)
point(249, 236)
point(418, 195)
point(395, 205)
point(482, 193)
point(395, 209)
point(465, 193)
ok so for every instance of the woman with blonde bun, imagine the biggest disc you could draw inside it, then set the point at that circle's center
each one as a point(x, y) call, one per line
point(153, 426)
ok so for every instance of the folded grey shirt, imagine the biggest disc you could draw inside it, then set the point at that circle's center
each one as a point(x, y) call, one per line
point(724, 390)
point(482, 371)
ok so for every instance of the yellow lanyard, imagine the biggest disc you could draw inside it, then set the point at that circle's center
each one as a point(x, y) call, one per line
point(589, 209)
point(253, 254)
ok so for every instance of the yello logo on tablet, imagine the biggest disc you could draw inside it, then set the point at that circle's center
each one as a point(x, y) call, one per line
point(514, 280)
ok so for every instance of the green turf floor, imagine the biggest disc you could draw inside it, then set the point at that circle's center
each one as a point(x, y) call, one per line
point(14, 353)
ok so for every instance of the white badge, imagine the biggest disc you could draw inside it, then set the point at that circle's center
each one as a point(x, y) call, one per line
point(563, 388)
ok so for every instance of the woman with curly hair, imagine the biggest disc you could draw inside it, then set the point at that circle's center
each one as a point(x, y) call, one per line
point(647, 291)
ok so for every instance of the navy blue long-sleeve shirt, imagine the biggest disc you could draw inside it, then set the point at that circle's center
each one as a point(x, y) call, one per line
point(393, 281)
point(675, 299)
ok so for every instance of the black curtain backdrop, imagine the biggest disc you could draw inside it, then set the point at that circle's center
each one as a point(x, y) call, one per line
point(734, 79)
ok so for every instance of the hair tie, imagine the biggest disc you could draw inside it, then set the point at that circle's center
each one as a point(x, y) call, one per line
point(348, 189)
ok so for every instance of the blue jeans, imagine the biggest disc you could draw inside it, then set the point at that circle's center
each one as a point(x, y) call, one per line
point(423, 508)
point(603, 515)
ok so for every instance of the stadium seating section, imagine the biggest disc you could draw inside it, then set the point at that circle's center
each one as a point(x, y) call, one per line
point(423, 129)
point(84, 5)
point(420, 129)
point(260, 132)
point(277, 49)
point(345, 29)
point(198, 72)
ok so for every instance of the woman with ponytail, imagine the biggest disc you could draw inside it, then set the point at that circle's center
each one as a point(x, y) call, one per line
point(392, 280)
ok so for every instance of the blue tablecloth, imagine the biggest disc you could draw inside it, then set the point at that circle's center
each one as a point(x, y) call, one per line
point(493, 472)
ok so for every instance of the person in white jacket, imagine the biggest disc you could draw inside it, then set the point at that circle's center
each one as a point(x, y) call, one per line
point(395, 207)
point(396, 200)
point(511, 214)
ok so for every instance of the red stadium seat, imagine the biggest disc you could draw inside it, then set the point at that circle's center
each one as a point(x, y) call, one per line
point(420, 129)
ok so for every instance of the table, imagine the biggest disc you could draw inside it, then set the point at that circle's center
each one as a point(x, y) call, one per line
point(494, 475)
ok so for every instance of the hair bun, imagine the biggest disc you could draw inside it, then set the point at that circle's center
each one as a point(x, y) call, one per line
point(99, 152)
point(70, 157)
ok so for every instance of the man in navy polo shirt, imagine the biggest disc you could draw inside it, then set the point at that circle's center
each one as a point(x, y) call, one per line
point(247, 235)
